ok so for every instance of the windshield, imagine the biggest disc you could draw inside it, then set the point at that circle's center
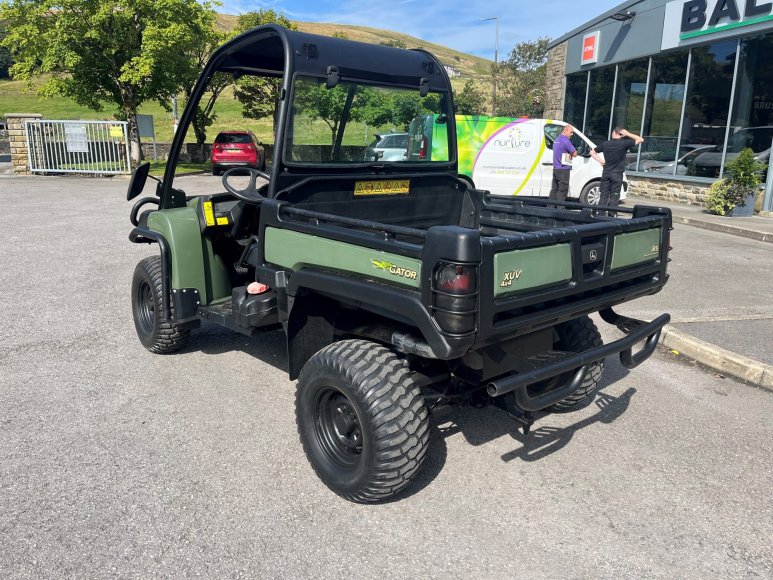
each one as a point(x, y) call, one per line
point(233, 138)
point(353, 122)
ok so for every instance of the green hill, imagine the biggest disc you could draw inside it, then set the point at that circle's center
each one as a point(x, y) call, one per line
point(16, 97)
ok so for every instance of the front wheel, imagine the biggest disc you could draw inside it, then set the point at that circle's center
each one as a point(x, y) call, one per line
point(157, 335)
point(361, 420)
point(591, 193)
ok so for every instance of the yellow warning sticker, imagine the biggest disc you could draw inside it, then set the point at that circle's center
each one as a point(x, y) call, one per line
point(209, 216)
point(116, 131)
point(222, 221)
point(382, 187)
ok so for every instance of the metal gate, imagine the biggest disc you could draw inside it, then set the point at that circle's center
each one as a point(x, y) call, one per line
point(100, 147)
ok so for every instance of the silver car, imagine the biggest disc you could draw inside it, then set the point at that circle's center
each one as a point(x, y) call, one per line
point(387, 147)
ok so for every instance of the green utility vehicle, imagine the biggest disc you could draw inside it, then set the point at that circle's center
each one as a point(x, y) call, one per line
point(398, 286)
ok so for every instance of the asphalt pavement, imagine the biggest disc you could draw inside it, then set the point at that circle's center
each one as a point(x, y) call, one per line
point(116, 463)
point(719, 292)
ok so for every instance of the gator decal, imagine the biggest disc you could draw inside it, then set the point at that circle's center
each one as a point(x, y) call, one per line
point(395, 270)
point(295, 250)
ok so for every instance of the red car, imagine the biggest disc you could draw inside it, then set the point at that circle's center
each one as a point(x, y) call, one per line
point(236, 149)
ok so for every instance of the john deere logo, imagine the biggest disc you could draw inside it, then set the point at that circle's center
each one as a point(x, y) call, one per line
point(390, 268)
point(509, 278)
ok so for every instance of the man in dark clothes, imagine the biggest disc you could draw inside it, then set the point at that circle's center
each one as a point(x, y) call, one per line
point(614, 152)
point(563, 151)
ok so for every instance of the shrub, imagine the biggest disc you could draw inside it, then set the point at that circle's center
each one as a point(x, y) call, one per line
point(718, 198)
point(743, 177)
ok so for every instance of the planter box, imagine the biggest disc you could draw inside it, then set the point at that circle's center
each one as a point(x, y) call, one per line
point(745, 210)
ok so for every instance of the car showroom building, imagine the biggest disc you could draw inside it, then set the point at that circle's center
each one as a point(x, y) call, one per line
point(693, 77)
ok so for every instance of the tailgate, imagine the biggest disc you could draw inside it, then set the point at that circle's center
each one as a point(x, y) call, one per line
point(541, 278)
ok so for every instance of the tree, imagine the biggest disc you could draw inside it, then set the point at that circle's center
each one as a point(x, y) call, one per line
point(470, 101)
point(198, 55)
point(521, 80)
point(104, 51)
point(315, 100)
point(5, 55)
point(339, 34)
point(258, 95)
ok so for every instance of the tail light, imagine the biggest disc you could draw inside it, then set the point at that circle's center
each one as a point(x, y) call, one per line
point(423, 149)
point(250, 147)
point(454, 297)
point(455, 279)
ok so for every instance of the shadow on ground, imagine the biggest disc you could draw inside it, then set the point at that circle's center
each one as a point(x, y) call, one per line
point(481, 426)
point(478, 426)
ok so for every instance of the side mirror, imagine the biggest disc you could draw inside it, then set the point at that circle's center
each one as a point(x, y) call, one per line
point(379, 154)
point(137, 181)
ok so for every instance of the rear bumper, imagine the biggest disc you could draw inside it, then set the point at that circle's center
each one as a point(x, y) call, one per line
point(578, 364)
point(233, 163)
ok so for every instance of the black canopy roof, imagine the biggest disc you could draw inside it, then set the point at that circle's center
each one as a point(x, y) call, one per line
point(273, 50)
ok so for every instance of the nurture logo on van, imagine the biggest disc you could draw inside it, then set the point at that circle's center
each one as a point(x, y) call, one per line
point(512, 138)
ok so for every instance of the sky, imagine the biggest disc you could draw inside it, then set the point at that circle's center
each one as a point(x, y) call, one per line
point(456, 25)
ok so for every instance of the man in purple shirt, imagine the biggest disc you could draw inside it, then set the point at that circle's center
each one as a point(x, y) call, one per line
point(563, 152)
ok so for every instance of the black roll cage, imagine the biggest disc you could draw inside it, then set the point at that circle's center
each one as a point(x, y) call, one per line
point(274, 51)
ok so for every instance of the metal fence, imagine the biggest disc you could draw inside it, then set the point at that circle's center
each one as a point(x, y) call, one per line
point(100, 147)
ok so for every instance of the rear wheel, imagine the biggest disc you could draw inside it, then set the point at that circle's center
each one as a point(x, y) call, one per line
point(361, 420)
point(579, 335)
point(591, 193)
point(156, 335)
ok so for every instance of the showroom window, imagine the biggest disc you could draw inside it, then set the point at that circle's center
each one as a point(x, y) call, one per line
point(574, 105)
point(629, 100)
point(751, 124)
point(602, 81)
point(664, 109)
point(708, 104)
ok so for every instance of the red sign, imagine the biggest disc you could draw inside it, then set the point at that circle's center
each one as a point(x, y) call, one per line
point(590, 47)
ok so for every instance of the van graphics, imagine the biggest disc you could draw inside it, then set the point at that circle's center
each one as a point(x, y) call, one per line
point(394, 269)
point(510, 156)
point(509, 277)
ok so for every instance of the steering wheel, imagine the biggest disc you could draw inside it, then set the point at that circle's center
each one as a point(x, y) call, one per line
point(252, 193)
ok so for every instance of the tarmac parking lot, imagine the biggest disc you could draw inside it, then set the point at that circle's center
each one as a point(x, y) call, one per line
point(115, 462)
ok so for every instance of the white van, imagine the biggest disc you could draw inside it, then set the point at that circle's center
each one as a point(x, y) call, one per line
point(512, 156)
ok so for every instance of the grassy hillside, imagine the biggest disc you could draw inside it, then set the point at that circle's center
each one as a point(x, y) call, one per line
point(16, 97)
point(466, 64)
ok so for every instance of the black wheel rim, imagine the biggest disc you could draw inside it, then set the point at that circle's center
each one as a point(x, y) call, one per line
point(146, 308)
point(337, 428)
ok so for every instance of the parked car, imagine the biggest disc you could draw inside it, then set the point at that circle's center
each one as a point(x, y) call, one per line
point(687, 155)
point(655, 148)
point(758, 139)
point(391, 146)
point(236, 149)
